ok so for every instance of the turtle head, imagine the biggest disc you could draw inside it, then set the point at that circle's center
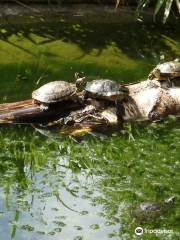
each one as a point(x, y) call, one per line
point(155, 74)
point(170, 200)
point(80, 80)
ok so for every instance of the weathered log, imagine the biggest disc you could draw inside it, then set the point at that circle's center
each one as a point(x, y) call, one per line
point(29, 112)
point(147, 100)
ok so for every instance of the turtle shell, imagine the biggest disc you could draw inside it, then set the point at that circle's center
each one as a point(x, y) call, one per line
point(156, 206)
point(153, 207)
point(167, 69)
point(104, 88)
point(56, 91)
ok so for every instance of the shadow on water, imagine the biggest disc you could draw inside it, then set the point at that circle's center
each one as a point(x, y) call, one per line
point(133, 38)
point(124, 51)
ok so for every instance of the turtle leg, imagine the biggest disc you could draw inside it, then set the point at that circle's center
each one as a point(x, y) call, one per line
point(166, 82)
point(120, 107)
point(170, 82)
point(78, 98)
point(44, 106)
point(154, 116)
point(85, 94)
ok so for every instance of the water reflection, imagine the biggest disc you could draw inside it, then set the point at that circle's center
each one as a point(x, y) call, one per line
point(56, 198)
point(51, 189)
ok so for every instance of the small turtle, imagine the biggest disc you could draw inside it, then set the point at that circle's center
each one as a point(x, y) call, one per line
point(165, 72)
point(156, 206)
point(105, 89)
point(149, 210)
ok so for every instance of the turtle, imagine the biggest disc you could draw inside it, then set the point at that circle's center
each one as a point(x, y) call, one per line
point(165, 72)
point(105, 89)
point(147, 211)
point(156, 206)
point(53, 92)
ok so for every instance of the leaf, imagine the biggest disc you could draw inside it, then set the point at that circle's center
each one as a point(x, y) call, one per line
point(167, 10)
point(142, 4)
point(117, 3)
point(158, 6)
point(178, 5)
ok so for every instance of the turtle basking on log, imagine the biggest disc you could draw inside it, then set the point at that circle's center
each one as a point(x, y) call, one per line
point(140, 101)
point(104, 89)
point(165, 73)
point(58, 91)
point(54, 92)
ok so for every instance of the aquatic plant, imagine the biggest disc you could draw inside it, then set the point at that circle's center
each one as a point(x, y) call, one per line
point(161, 6)
point(164, 5)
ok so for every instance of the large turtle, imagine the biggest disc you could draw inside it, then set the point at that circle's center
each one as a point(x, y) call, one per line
point(56, 91)
point(105, 89)
point(53, 92)
point(165, 72)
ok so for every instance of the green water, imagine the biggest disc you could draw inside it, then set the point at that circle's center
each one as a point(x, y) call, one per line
point(85, 189)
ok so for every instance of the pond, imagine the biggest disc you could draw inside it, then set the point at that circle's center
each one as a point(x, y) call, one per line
point(73, 189)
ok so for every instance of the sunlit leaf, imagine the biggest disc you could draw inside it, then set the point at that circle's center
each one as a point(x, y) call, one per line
point(117, 3)
point(167, 10)
point(178, 5)
point(158, 6)
point(142, 4)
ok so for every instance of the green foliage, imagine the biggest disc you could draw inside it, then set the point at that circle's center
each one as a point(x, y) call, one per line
point(164, 5)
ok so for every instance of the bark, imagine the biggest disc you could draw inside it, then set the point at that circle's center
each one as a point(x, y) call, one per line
point(149, 97)
point(29, 112)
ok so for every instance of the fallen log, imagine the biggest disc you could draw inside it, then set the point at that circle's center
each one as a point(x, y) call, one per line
point(29, 112)
point(147, 100)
